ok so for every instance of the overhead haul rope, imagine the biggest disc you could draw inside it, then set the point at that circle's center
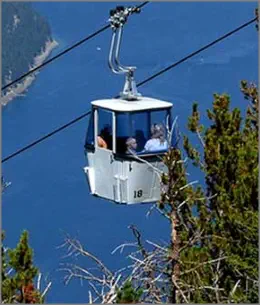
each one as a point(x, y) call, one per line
point(139, 84)
point(65, 51)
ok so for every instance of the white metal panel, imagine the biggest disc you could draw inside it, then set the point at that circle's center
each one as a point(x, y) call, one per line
point(123, 181)
point(144, 184)
point(103, 172)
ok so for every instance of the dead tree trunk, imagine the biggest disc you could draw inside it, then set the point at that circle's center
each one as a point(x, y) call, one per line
point(175, 266)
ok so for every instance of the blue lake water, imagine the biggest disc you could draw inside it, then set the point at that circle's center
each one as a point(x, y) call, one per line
point(49, 193)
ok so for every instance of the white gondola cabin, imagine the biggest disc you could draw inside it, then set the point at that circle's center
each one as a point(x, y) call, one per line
point(114, 173)
point(127, 136)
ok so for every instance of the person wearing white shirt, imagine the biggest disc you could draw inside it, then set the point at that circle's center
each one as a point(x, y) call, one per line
point(157, 141)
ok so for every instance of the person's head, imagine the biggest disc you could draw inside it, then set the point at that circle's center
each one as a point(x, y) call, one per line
point(131, 144)
point(158, 132)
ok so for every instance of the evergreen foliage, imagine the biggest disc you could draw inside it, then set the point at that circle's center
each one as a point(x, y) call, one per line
point(128, 294)
point(18, 273)
point(228, 216)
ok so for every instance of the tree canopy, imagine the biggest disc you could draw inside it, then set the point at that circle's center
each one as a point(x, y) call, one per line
point(19, 273)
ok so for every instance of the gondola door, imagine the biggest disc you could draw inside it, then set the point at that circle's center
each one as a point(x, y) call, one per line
point(103, 162)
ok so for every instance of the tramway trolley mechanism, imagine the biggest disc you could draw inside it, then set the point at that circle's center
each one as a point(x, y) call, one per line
point(127, 136)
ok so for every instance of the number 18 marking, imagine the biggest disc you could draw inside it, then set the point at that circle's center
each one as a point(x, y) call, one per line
point(138, 194)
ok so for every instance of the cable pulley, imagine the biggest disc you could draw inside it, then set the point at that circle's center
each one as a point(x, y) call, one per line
point(119, 16)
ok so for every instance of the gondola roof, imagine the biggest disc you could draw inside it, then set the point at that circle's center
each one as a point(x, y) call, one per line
point(142, 104)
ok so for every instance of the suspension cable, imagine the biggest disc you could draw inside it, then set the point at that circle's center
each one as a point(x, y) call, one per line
point(46, 136)
point(139, 84)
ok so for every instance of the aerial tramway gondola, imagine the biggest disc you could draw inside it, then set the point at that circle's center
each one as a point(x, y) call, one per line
point(123, 164)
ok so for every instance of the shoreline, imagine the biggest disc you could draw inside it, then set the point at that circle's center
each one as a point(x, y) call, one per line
point(21, 87)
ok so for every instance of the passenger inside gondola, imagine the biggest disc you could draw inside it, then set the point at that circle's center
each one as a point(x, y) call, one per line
point(142, 132)
point(101, 142)
point(157, 141)
point(131, 146)
point(105, 137)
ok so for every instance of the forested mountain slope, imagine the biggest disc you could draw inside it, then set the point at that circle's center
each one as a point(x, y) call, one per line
point(24, 36)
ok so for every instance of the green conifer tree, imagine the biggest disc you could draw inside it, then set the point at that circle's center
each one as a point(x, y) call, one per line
point(229, 218)
point(213, 253)
point(18, 273)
